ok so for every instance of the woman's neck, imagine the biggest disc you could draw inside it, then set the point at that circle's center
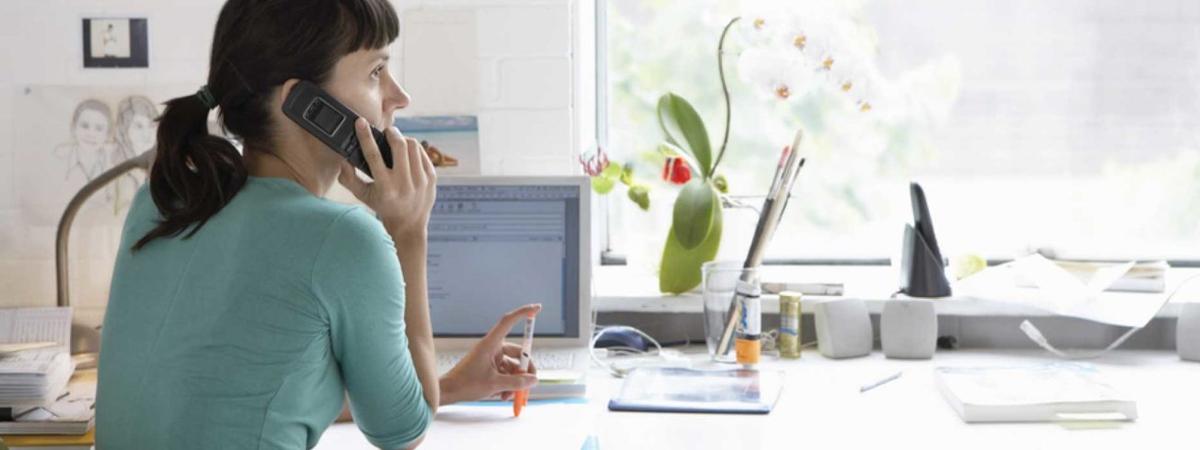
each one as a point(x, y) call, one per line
point(317, 175)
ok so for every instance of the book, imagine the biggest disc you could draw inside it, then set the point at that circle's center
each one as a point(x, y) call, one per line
point(676, 389)
point(1040, 393)
point(50, 442)
point(557, 384)
point(71, 414)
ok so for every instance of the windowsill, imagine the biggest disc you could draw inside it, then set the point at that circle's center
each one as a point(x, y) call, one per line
point(625, 289)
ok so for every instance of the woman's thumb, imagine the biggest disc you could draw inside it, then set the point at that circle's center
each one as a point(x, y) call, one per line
point(516, 382)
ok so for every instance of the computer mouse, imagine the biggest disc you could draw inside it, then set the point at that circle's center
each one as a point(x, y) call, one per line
point(620, 337)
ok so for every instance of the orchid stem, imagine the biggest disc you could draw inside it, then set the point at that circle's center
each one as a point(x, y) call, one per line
point(724, 91)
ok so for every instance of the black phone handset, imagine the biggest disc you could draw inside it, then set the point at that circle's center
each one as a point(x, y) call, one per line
point(333, 123)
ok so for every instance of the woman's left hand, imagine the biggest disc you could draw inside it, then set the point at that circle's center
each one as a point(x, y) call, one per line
point(492, 366)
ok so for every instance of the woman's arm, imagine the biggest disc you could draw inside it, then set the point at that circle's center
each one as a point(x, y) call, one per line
point(412, 250)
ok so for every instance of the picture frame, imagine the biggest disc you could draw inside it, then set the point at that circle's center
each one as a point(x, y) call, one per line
point(115, 43)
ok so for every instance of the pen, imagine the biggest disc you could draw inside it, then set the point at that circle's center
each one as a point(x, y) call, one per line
point(522, 396)
point(876, 384)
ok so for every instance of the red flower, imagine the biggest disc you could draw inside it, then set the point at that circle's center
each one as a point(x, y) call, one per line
point(676, 171)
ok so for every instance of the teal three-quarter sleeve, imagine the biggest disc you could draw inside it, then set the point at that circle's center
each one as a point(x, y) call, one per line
point(357, 277)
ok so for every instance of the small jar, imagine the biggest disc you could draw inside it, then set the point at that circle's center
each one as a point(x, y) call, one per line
point(789, 325)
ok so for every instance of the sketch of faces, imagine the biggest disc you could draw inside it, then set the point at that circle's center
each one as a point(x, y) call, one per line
point(91, 125)
point(136, 129)
point(91, 132)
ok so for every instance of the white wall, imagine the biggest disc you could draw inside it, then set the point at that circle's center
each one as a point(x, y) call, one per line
point(525, 73)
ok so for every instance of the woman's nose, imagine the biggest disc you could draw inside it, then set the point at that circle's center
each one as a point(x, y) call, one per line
point(395, 97)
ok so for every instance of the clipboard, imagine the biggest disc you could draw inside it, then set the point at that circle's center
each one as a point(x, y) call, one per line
point(683, 390)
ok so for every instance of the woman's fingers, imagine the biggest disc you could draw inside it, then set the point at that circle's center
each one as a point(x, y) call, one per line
point(512, 350)
point(400, 159)
point(416, 154)
point(370, 151)
point(349, 178)
point(513, 382)
point(495, 337)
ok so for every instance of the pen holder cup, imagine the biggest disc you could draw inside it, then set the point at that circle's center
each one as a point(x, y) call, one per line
point(719, 286)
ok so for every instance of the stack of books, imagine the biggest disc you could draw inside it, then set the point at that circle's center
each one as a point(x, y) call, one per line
point(40, 391)
point(35, 377)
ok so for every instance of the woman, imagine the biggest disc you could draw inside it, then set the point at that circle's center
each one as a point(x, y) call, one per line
point(243, 305)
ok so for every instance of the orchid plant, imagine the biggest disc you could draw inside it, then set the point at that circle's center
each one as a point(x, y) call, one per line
point(790, 52)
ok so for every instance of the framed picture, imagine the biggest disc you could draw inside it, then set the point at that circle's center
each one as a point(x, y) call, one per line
point(114, 43)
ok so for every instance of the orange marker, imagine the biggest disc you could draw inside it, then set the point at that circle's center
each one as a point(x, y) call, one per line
point(522, 396)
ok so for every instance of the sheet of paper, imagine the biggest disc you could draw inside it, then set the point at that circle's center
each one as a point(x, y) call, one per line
point(19, 325)
point(1062, 293)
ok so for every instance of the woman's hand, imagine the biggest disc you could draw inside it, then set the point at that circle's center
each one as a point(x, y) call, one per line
point(492, 366)
point(401, 196)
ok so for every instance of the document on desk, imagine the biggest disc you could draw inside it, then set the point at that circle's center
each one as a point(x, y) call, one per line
point(22, 325)
point(675, 389)
point(1040, 283)
point(1037, 393)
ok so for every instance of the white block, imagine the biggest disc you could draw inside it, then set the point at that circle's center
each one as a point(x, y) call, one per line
point(563, 165)
point(843, 328)
point(908, 329)
point(441, 67)
point(535, 30)
point(524, 134)
point(1187, 332)
point(543, 83)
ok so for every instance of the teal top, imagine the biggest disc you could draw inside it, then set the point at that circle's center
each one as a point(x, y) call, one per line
point(246, 334)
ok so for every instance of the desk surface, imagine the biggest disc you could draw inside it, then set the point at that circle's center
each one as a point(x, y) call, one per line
point(821, 405)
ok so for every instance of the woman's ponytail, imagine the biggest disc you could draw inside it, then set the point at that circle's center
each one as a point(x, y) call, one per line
point(195, 173)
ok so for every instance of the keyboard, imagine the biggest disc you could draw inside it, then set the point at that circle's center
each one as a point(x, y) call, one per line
point(543, 360)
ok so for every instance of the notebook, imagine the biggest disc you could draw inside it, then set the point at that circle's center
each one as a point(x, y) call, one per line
point(674, 389)
point(1040, 393)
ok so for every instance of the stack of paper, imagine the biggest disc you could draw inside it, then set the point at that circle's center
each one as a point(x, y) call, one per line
point(1041, 393)
point(1116, 277)
point(554, 384)
point(34, 377)
point(35, 368)
point(72, 413)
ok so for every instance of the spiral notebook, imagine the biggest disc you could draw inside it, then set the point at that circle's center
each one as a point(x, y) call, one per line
point(682, 390)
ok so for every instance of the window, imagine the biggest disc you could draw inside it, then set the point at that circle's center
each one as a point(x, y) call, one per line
point(1076, 127)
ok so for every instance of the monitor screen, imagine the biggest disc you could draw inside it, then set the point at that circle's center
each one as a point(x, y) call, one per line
point(493, 248)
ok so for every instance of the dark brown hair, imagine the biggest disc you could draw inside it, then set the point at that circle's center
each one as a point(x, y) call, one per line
point(257, 45)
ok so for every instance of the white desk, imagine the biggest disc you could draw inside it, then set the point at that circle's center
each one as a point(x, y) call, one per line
point(822, 408)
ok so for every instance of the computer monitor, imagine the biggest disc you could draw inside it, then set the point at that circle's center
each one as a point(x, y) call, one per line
point(496, 243)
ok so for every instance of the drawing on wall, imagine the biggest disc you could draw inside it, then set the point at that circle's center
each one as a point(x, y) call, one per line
point(115, 42)
point(452, 142)
point(70, 135)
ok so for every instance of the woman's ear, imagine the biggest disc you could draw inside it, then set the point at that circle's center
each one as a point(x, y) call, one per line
point(286, 89)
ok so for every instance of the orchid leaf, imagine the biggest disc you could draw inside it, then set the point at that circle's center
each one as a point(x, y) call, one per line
point(680, 268)
point(684, 128)
point(694, 213)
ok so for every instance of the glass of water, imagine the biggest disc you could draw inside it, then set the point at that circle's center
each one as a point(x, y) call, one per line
point(719, 285)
